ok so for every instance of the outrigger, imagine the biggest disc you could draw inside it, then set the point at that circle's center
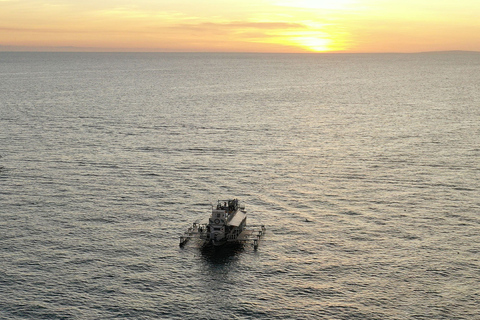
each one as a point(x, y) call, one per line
point(227, 224)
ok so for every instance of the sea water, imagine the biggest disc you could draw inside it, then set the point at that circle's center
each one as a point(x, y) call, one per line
point(364, 168)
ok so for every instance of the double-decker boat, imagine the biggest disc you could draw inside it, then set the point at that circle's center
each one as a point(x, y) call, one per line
point(226, 224)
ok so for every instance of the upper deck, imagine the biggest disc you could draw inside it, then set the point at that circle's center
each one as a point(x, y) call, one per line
point(227, 205)
point(228, 212)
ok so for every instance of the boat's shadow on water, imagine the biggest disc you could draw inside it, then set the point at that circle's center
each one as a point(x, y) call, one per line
point(221, 255)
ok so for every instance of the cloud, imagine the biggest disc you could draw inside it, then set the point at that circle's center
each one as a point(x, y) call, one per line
point(316, 4)
point(255, 25)
point(237, 27)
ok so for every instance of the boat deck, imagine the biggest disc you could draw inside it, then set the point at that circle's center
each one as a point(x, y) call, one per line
point(249, 234)
point(199, 231)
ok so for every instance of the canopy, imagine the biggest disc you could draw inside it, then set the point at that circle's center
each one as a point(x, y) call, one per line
point(237, 219)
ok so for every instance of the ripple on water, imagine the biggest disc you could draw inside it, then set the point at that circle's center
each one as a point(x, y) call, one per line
point(367, 187)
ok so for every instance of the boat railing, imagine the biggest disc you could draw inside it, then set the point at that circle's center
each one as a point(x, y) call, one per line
point(233, 235)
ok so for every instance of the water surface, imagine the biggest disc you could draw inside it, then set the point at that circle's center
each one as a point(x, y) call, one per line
point(364, 168)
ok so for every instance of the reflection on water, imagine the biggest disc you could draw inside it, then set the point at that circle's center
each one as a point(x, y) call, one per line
point(220, 257)
point(364, 168)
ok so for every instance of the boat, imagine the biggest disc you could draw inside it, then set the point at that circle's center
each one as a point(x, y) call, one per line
point(226, 224)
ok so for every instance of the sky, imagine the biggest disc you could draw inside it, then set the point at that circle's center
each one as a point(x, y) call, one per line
point(240, 26)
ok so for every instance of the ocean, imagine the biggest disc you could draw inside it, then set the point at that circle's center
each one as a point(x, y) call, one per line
point(364, 168)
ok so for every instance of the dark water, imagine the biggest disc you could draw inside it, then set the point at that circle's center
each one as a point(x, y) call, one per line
point(107, 158)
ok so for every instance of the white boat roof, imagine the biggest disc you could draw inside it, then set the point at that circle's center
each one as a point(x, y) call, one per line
point(237, 219)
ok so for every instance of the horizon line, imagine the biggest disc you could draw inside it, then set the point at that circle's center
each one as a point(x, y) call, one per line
point(96, 50)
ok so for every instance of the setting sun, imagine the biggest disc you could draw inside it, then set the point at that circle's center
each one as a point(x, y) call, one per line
point(314, 44)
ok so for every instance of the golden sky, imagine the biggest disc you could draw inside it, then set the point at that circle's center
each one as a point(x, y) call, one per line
point(240, 26)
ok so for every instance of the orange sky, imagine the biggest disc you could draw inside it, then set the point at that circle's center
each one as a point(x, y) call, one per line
point(240, 26)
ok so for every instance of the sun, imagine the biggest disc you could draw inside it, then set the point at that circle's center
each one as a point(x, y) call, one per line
point(310, 43)
point(314, 43)
point(311, 36)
